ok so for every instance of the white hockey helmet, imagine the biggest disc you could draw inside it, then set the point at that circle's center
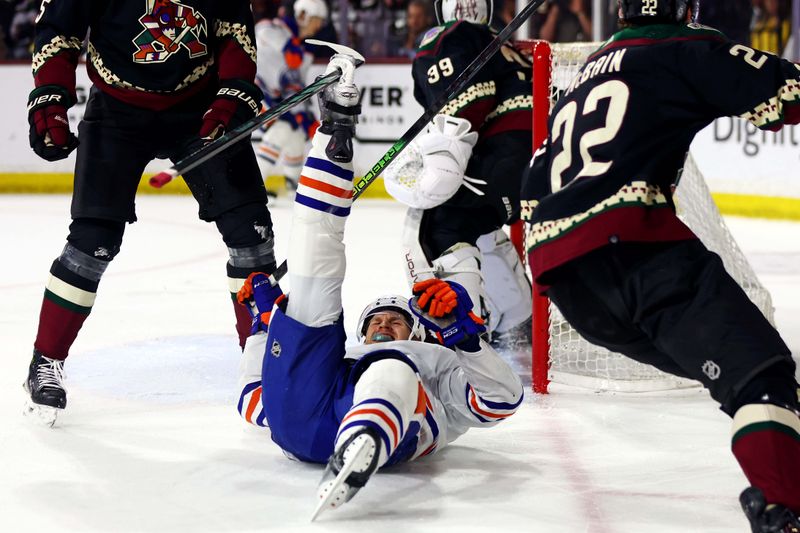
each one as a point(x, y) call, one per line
point(392, 302)
point(475, 11)
point(312, 8)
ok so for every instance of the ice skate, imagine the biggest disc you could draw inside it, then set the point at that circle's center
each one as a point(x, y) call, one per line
point(45, 384)
point(349, 469)
point(767, 518)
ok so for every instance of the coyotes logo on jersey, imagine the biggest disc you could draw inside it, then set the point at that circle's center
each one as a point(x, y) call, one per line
point(168, 26)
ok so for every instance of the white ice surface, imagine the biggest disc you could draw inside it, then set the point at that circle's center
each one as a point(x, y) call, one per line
point(151, 440)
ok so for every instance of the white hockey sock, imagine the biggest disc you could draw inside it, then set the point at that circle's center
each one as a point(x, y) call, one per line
point(387, 398)
point(316, 249)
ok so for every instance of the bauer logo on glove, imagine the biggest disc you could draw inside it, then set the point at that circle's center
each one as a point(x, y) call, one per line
point(445, 308)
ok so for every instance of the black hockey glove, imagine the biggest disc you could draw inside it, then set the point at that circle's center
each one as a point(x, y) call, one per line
point(339, 109)
point(50, 136)
point(237, 101)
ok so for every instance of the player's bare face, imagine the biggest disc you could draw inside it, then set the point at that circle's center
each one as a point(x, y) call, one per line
point(387, 326)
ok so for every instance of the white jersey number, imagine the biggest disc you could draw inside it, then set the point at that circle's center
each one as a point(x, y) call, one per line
point(749, 54)
point(41, 11)
point(443, 70)
point(564, 124)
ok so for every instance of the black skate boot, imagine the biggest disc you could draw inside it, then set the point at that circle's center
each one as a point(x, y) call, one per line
point(767, 518)
point(45, 384)
point(349, 469)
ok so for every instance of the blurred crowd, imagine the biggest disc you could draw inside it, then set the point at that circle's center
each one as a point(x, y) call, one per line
point(394, 28)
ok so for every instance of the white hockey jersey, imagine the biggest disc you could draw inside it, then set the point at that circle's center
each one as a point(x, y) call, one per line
point(463, 389)
point(282, 62)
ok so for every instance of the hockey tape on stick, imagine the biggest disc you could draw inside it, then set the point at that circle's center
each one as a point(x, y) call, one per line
point(457, 85)
point(241, 131)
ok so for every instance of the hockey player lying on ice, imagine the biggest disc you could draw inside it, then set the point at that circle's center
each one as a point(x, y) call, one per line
point(608, 249)
point(392, 397)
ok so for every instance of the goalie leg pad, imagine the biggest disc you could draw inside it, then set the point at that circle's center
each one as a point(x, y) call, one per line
point(507, 287)
point(462, 263)
point(417, 266)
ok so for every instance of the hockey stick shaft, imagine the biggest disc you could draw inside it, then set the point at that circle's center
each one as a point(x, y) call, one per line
point(242, 131)
point(458, 85)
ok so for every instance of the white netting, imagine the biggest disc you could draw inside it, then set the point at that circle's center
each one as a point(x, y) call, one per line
point(575, 361)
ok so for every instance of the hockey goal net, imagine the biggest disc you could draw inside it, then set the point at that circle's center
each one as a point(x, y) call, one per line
point(560, 355)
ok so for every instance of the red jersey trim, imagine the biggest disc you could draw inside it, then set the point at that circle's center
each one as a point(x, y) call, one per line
point(645, 41)
point(154, 101)
point(624, 224)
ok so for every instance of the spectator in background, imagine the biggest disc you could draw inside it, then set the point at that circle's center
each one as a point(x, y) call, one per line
point(3, 47)
point(564, 21)
point(731, 17)
point(771, 27)
point(265, 9)
point(21, 30)
point(418, 20)
point(504, 11)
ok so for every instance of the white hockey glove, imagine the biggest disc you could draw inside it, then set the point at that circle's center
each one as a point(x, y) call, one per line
point(433, 170)
point(339, 108)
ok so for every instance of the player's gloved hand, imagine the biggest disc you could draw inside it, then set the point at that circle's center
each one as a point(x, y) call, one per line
point(445, 308)
point(259, 295)
point(339, 108)
point(237, 101)
point(50, 136)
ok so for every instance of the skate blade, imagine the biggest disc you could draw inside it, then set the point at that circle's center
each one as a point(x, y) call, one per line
point(43, 415)
point(334, 493)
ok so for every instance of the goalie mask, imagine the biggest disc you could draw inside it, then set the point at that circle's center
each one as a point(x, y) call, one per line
point(395, 303)
point(653, 11)
point(475, 11)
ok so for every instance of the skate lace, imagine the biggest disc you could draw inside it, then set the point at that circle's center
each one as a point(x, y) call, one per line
point(50, 373)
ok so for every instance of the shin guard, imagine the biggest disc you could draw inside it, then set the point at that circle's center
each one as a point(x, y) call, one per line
point(766, 442)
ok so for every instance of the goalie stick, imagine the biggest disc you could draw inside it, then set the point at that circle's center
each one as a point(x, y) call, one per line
point(457, 85)
point(238, 133)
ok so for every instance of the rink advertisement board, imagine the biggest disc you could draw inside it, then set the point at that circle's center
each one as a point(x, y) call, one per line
point(733, 156)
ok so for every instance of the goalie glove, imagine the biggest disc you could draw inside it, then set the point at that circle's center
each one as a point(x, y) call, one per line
point(260, 295)
point(445, 308)
point(432, 169)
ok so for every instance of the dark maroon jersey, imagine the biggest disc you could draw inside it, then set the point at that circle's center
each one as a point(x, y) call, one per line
point(620, 134)
point(149, 53)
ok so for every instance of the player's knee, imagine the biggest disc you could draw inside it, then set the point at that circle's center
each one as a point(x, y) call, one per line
point(91, 245)
point(100, 239)
point(245, 226)
point(775, 385)
point(394, 376)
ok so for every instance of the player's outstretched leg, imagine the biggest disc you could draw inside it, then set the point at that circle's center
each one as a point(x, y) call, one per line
point(767, 518)
point(381, 427)
point(45, 384)
point(349, 469)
